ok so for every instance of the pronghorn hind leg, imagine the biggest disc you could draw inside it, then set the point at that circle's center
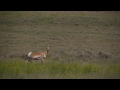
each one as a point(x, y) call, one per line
point(29, 59)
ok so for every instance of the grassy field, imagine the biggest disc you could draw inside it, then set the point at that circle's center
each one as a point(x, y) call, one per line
point(84, 44)
point(19, 69)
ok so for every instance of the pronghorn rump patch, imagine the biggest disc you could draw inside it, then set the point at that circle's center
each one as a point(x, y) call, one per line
point(29, 54)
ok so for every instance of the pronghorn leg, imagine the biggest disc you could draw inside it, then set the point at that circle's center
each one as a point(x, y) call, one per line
point(29, 59)
point(42, 60)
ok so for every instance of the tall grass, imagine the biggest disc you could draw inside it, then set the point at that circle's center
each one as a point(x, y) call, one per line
point(18, 69)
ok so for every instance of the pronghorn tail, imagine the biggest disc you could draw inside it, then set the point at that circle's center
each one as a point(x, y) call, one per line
point(29, 58)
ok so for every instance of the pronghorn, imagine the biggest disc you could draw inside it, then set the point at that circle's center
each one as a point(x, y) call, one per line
point(38, 55)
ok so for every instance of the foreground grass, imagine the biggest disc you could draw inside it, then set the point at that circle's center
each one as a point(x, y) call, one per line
point(20, 69)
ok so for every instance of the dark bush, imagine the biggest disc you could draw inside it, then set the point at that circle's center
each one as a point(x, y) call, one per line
point(102, 54)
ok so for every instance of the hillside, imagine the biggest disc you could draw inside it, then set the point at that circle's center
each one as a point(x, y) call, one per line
point(71, 33)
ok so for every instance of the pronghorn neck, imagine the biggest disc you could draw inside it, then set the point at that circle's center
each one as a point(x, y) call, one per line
point(45, 52)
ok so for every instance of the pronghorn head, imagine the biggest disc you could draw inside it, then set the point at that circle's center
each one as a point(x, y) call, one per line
point(48, 48)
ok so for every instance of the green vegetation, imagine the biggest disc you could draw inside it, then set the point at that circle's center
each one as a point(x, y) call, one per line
point(84, 44)
point(19, 69)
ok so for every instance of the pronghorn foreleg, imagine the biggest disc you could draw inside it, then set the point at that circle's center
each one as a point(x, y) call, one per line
point(42, 60)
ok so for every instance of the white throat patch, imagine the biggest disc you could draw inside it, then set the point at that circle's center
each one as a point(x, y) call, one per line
point(44, 55)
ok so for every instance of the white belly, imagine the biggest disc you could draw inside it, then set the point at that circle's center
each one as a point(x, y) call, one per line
point(37, 57)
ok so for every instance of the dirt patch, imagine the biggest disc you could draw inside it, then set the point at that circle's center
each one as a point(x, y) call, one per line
point(102, 54)
point(24, 56)
point(84, 54)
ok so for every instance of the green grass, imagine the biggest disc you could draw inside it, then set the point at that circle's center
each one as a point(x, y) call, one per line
point(21, 69)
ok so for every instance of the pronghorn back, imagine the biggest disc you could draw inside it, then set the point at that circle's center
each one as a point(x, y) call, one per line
point(34, 54)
